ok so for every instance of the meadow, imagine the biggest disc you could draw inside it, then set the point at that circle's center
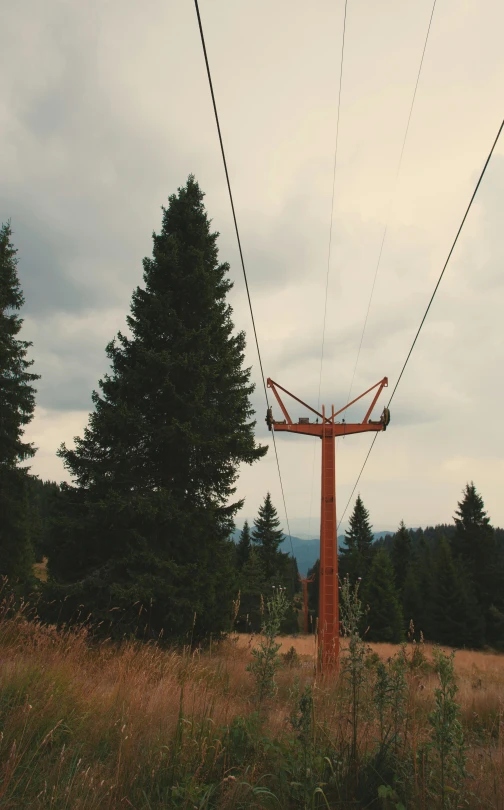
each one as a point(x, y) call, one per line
point(88, 725)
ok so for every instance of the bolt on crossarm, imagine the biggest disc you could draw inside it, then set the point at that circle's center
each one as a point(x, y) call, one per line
point(328, 429)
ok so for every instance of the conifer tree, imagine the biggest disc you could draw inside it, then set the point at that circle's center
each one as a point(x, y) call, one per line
point(420, 604)
point(384, 618)
point(458, 620)
point(475, 545)
point(412, 601)
point(253, 593)
point(357, 553)
point(17, 403)
point(243, 546)
point(293, 582)
point(268, 537)
point(400, 555)
point(150, 512)
point(42, 499)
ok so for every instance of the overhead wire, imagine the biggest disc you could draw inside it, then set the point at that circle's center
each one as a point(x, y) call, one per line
point(221, 142)
point(429, 304)
point(392, 198)
point(332, 199)
point(335, 162)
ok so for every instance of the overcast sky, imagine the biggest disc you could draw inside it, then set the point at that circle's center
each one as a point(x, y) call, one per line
point(105, 110)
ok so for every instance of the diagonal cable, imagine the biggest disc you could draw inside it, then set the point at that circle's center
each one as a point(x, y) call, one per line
point(209, 75)
point(335, 162)
point(392, 199)
point(430, 302)
point(332, 200)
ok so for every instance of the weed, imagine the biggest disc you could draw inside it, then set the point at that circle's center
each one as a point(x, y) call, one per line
point(353, 664)
point(389, 799)
point(265, 657)
point(447, 738)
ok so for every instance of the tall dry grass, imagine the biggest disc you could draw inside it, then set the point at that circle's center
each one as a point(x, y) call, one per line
point(480, 674)
point(101, 725)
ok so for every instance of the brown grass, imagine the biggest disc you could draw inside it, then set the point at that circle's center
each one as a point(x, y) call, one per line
point(88, 726)
point(480, 674)
point(40, 570)
point(466, 660)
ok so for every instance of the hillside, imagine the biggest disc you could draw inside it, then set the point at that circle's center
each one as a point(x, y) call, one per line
point(306, 552)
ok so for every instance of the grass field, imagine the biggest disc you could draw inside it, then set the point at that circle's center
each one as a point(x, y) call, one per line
point(471, 665)
point(480, 675)
point(87, 726)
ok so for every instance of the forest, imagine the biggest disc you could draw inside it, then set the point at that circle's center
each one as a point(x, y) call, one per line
point(140, 541)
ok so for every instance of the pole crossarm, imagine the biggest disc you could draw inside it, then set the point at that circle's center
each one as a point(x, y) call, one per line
point(274, 385)
point(342, 428)
point(383, 384)
point(339, 429)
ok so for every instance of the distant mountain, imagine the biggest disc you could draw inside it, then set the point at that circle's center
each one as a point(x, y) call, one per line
point(307, 552)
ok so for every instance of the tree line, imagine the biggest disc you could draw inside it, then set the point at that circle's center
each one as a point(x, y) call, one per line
point(445, 582)
point(140, 540)
point(261, 567)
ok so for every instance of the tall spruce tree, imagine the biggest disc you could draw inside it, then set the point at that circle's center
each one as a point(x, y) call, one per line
point(417, 597)
point(149, 515)
point(17, 403)
point(400, 555)
point(385, 618)
point(412, 601)
point(42, 499)
point(357, 553)
point(458, 619)
point(253, 593)
point(475, 545)
point(268, 537)
point(243, 546)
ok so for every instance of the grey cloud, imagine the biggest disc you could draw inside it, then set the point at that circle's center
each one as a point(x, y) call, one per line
point(66, 391)
point(292, 247)
point(70, 364)
point(91, 187)
point(487, 271)
point(44, 259)
point(101, 123)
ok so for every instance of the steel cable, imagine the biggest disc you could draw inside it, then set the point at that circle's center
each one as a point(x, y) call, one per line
point(209, 75)
point(429, 305)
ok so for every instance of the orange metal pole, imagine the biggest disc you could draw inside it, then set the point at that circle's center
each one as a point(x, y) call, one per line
point(328, 620)
point(328, 598)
